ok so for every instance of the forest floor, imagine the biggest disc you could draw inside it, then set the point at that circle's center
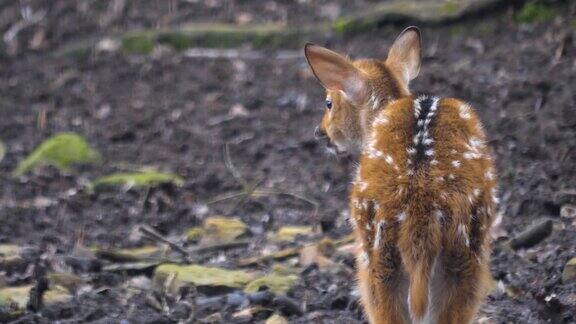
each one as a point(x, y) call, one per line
point(177, 113)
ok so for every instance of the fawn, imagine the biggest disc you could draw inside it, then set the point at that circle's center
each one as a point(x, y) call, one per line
point(424, 196)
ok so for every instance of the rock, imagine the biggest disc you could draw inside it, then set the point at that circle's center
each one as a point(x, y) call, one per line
point(289, 233)
point(237, 299)
point(276, 319)
point(181, 311)
point(261, 297)
point(318, 253)
point(277, 283)
point(287, 305)
point(15, 299)
point(11, 258)
point(67, 280)
point(205, 279)
point(61, 151)
point(146, 178)
point(568, 211)
point(217, 229)
point(569, 272)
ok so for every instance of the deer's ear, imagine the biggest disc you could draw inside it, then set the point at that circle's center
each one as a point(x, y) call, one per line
point(335, 72)
point(405, 54)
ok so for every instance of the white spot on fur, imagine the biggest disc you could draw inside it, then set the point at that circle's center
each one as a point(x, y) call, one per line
point(489, 175)
point(389, 159)
point(472, 155)
point(428, 141)
point(476, 192)
point(451, 176)
point(411, 150)
point(495, 198)
point(464, 111)
point(434, 162)
point(455, 163)
point(378, 235)
point(476, 142)
point(362, 185)
point(438, 214)
point(364, 259)
point(463, 232)
point(401, 217)
point(381, 120)
point(429, 152)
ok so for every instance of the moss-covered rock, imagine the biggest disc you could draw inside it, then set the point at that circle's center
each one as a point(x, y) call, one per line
point(10, 258)
point(569, 272)
point(203, 278)
point(217, 229)
point(533, 12)
point(141, 43)
point(13, 300)
point(2, 150)
point(277, 283)
point(276, 319)
point(289, 233)
point(61, 151)
point(147, 178)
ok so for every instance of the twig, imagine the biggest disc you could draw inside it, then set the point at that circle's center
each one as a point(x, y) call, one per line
point(232, 168)
point(220, 247)
point(157, 236)
point(533, 235)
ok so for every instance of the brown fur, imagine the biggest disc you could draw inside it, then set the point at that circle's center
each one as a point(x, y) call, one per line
point(423, 227)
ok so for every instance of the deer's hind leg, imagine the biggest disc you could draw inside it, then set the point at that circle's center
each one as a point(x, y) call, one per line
point(382, 281)
point(464, 277)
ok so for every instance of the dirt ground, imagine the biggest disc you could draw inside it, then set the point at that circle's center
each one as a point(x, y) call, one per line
point(176, 113)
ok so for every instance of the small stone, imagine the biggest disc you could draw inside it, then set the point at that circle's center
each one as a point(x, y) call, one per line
point(276, 319)
point(569, 272)
point(568, 211)
point(237, 299)
point(287, 305)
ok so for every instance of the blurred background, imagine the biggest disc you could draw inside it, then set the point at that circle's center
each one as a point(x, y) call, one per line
point(158, 165)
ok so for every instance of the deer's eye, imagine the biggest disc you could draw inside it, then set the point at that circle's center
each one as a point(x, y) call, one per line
point(328, 103)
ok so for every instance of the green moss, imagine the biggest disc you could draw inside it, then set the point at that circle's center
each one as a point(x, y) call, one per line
point(277, 283)
point(61, 151)
point(217, 229)
point(197, 275)
point(2, 150)
point(146, 178)
point(450, 8)
point(533, 12)
point(138, 43)
point(177, 40)
point(289, 233)
point(13, 300)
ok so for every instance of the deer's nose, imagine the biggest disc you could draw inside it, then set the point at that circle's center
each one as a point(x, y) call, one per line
point(319, 133)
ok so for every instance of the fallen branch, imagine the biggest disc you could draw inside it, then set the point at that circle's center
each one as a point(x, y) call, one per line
point(533, 235)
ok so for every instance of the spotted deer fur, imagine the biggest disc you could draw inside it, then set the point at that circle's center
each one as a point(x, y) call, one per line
point(424, 194)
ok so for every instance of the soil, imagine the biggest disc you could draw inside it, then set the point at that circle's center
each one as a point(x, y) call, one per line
point(177, 114)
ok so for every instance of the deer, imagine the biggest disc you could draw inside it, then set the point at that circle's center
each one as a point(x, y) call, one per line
point(424, 195)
